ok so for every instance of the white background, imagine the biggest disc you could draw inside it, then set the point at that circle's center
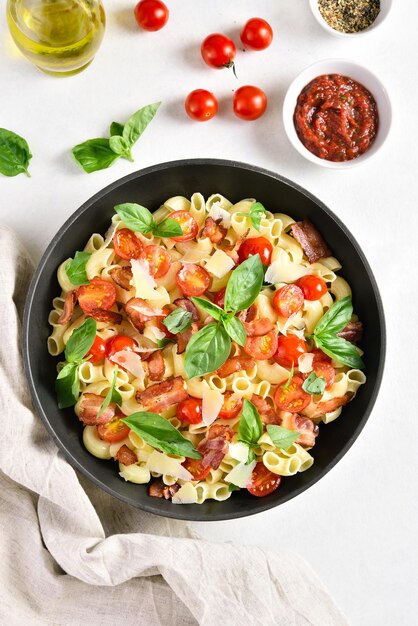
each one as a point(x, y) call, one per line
point(356, 526)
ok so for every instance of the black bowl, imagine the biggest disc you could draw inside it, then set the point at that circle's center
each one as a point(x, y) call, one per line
point(151, 187)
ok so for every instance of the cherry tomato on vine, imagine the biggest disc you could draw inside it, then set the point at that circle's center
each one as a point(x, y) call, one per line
point(190, 410)
point(288, 300)
point(263, 482)
point(159, 260)
point(218, 51)
point(126, 244)
point(201, 105)
point(289, 349)
point(114, 431)
point(257, 34)
point(97, 351)
point(313, 287)
point(151, 15)
point(188, 225)
point(292, 398)
point(256, 245)
point(249, 102)
point(118, 343)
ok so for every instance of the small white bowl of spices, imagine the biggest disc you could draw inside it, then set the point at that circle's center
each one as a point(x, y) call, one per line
point(348, 18)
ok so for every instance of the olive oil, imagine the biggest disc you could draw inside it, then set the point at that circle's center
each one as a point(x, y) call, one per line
point(60, 37)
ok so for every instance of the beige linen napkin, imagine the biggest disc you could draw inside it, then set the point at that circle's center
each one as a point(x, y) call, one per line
point(71, 555)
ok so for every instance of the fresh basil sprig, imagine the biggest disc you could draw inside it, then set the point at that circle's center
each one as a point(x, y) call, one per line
point(255, 214)
point(244, 284)
point(14, 154)
point(326, 330)
point(161, 434)
point(314, 384)
point(100, 153)
point(178, 321)
point(76, 269)
point(112, 395)
point(139, 219)
point(207, 350)
point(250, 428)
point(282, 437)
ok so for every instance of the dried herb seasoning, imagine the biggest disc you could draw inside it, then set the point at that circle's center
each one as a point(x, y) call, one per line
point(349, 16)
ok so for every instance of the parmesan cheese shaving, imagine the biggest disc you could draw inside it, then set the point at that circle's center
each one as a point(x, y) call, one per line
point(212, 401)
point(131, 362)
point(241, 474)
point(187, 494)
point(219, 264)
point(163, 464)
point(142, 280)
point(238, 451)
point(282, 270)
point(218, 213)
point(305, 362)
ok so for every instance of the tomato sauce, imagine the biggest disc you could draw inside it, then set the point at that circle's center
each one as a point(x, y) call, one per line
point(336, 118)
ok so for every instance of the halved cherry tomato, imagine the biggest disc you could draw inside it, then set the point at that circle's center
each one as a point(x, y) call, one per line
point(151, 15)
point(114, 431)
point(326, 371)
point(263, 482)
point(195, 467)
point(320, 356)
point(288, 300)
point(97, 351)
point(232, 405)
point(289, 349)
point(256, 245)
point(218, 51)
point(292, 398)
point(219, 298)
point(313, 287)
point(118, 343)
point(126, 244)
point(190, 410)
point(188, 225)
point(249, 102)
point(193, 279)
point(159, 260)
point(262, 348)
point(201, 105)
point(257, 34)
point(99, 294)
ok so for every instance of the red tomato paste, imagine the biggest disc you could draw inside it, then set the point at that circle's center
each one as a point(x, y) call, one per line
point(336, 118)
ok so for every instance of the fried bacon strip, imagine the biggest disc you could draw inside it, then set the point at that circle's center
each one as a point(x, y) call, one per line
point(122, 276)
point(214, 230)
point(157, 489)
point(327, 406)
point(89, 407)
point(214, 447)
point(352, 332)
point(139, 312)
point(232, 251)
point(184, 337)
point(187, 305)
point(161, 396)
point(109, 317)
point(259, 328)
point(235, 364)
point(311, 240)
point(69, 304)
point(156, 366)
point(248, 315)
point(126, 456)
point(267, 413)
point(306, 427)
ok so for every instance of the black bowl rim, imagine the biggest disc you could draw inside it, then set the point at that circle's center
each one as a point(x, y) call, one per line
point(178, 511)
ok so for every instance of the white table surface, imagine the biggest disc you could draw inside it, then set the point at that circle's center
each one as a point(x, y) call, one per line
point(356, 526)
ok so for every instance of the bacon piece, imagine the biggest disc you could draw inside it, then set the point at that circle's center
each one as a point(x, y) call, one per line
point(161, 396)
point(69, 304)
point(259, 328)
point(109, 317)
point(122, 276)
point(157, 489)
point(235, 364)
point(214, 230)
point(267, 412)
point(352, 332)
point(311, 240)
point(126, 456)
point(328, 406)
point(214, 447)
point(187, 305)
point(88, 409)
point(156, 366)
point(184, 337)
point(248, 315)
point(232, 251)
point(306, 427)
point(139, 312)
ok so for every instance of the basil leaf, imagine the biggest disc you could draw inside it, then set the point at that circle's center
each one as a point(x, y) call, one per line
point(112, 395)
point(167, 228)
point(76, 269)
point(94, 154)
point(178, 321)
point(138, 122)
point(162, 343)
point(232, 487)
point(80, 341)
point(314, 384)
point(336, 318)
point(339, 349)
point(14, 154)
point(135, 217)
point(159, 433)
point(289, 380)
point(255, 214)
point(251, 456)
point(209, 307)
point(235, 329)
point(207, 350)
point(67, 386)
point(282, 437)
point(244, 284)
point(119, 146)
point(250, 426)
point(116, 129)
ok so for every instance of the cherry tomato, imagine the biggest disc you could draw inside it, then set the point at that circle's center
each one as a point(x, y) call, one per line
point(190, 410)
point(249, 102)
point(126, 244)
point(256, 245)
point(119, 343)
point(263, 482)
point(262, 348)
point(159, 260)
point(219, 298)
point(114, 431)
point(201, 105)
point(320, 356)
point(97, 351)
point(257, 34)
point(288, 300)
point(289, 349)
point(151, 15)
point(326, 371)
point(188, 225)
point(218, 51)
point(232, 405)
point(193, 279)
point(99, 294)
point(195, 467)
point(292, 398)
point(313, 287)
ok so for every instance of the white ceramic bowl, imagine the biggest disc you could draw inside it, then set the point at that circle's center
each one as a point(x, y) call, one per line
point(385, 7)
point(356, 72)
